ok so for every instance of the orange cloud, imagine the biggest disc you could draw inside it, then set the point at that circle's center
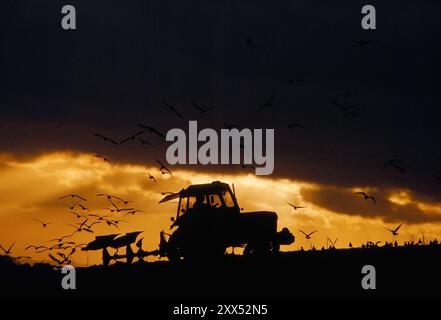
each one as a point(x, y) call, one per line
point(31, 187)
point(391, 205)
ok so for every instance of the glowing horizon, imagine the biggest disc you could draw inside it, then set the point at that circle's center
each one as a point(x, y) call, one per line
point(31, 189)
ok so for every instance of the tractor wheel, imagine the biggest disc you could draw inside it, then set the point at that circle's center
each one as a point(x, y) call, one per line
point(204, 253)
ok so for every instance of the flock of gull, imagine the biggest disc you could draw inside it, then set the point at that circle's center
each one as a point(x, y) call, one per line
point(63, 248)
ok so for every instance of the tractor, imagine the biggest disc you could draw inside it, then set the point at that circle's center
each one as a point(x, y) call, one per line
point(209, 220)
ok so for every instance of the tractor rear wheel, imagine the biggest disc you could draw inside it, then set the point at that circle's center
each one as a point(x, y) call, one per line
point(204, 252)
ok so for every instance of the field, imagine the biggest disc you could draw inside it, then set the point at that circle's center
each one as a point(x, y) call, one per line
point(409, 272)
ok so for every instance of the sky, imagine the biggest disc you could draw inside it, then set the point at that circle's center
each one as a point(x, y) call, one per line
point(124, 60)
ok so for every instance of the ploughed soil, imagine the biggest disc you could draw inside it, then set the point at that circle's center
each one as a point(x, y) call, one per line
point(412, 272)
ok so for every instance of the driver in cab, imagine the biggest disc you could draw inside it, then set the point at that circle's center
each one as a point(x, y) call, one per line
point(200, 204)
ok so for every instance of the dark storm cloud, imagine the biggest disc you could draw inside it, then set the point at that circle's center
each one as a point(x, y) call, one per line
point(125, 59)
point(344, 201)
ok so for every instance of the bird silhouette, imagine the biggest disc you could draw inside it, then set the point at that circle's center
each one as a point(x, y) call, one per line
point(98, 217)
point(164, 193)
point(108, 196)
point(81, 227)
point(142, 141)
point(62, 261)
point(341, 106)
point(163, 168)
point(77, 215)
point(268, 103)
point(173, 109)
point(133, 137)
point(308, 235)
point(118, 209)
point(132, 212)
point(43, 224)
point(400, 168)
point(247, 166)
point(295, 207)
point(9, 251)
point(34, 247)
point(72, 196)
point(126, 202)
point(39, 249)
point(105, 139)
point(152, 130)
point(82, 207)
point(113, 222)
point(394, 231)
point(90, 225)
point(119, 199)
point(64, 256)
point(391, 162)
point(72, 206)
point(81, 224)
point(64, 245)
point(361, 43)
point(201, 109)
point(366, 196)
point(105, 159)
point(60, 239)
point(151, 177)
point(249, 43)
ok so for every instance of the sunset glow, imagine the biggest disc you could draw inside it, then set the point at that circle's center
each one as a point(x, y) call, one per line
point(30, 190)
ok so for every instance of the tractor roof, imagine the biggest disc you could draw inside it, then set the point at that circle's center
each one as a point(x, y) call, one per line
point(215, 186)
point(195, 189)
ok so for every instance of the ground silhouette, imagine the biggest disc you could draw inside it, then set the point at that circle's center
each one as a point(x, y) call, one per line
point(404, 272)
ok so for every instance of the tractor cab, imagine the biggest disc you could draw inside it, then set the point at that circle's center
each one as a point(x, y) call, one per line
point(204, 201)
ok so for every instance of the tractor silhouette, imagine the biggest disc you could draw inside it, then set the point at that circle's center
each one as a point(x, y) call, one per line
point(209, 220)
